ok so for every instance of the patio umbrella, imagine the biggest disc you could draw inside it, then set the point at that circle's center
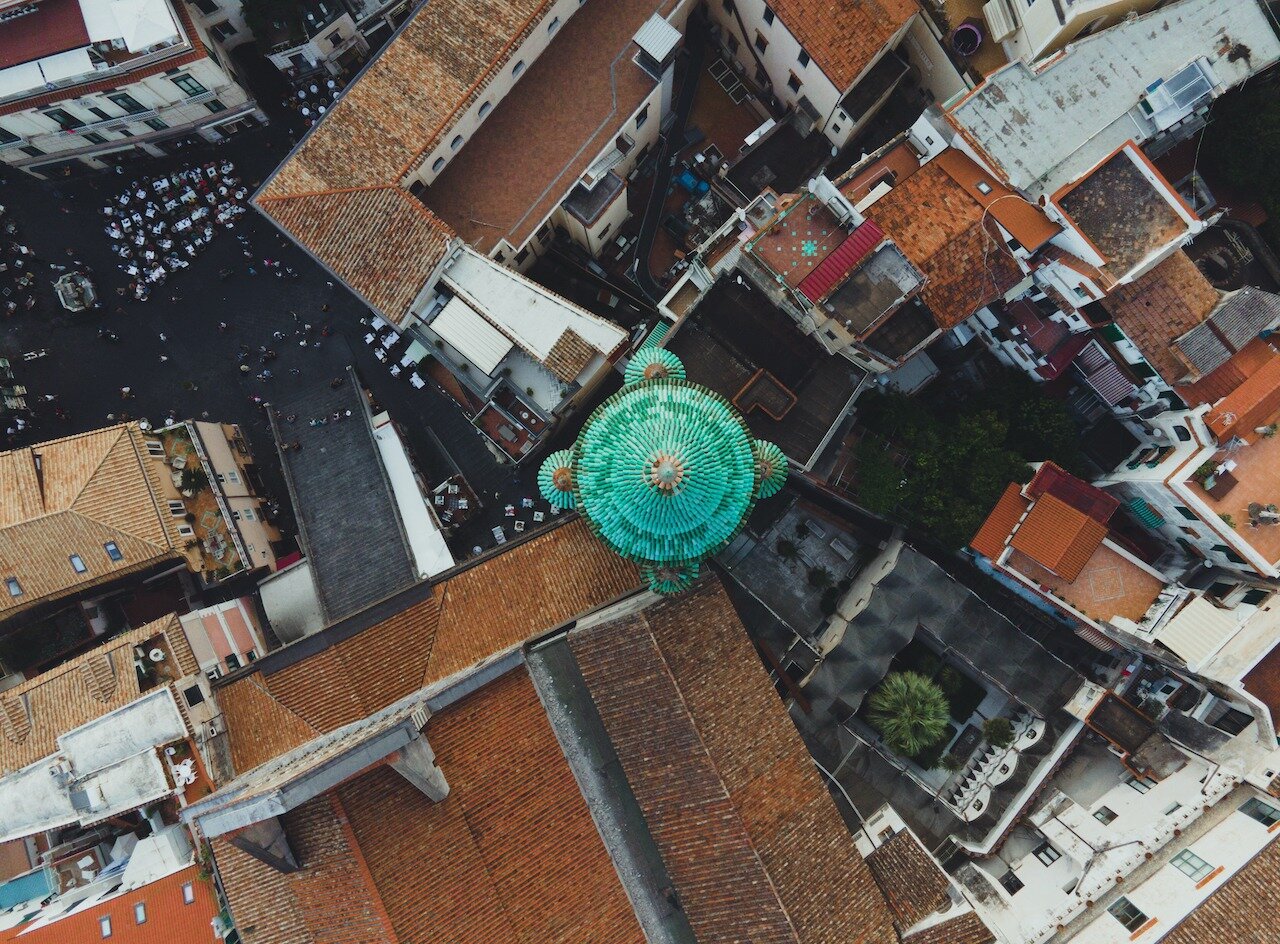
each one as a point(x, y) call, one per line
point(144, 23)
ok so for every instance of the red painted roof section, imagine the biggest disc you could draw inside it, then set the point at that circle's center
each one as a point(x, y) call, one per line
point(169, 919)
point(1080, 495)
point(1063, 355)
point(56, 26)
point(832, 270)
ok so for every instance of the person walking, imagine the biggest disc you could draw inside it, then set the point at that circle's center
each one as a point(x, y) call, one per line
point(126, 393)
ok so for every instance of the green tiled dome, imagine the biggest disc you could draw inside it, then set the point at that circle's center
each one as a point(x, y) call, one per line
point(669, 578)
point(665, 472)
point(555, 479)
point(653, 363)
point(771, 465)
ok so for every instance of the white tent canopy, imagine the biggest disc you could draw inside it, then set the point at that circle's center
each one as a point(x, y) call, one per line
point(66, 65)
point(141, 24)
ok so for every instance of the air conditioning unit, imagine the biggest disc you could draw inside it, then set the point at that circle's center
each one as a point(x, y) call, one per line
point(213, 727)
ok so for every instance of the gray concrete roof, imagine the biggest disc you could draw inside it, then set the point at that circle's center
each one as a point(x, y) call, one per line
point(1048, 126)
point(350, 529)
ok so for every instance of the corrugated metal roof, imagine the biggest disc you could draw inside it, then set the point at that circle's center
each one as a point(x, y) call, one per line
point(1197, 631)
point(461, 326)
point(832, 270)
point(657, 37)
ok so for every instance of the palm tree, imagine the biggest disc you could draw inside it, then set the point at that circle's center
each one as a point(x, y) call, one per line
point(909, 711)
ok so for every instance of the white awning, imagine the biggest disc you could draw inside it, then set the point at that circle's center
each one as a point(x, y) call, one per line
point(66, 65)
point(471, 336)
point(658, 38)
point(100, 20)
point(23, 78)
point(144, 23)
point(1198, 631)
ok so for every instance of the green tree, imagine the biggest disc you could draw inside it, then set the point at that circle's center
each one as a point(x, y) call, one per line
point(909, 711)
point(998, 732)
point(1242, 146)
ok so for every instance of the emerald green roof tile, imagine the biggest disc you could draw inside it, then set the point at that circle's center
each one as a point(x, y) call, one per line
point(555, 479)
point(771, 465)
point(652, 364)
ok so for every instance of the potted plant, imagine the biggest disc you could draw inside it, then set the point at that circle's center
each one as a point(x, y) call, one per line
point(998, 732)
point(909, 711)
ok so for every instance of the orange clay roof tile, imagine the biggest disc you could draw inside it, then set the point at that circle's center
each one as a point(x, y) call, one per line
point(1253, 404)
point(1008, 511)
point(1058, 537)
point(843, 38)
point(1024, 221)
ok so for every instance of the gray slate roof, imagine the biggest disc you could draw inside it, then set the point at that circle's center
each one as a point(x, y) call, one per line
point(1236, 321)
point(346, 513)
point(919, 597)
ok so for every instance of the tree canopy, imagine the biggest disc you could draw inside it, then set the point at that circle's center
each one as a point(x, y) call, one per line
point(959, 456)
point(909, 711)
point(1242, 145)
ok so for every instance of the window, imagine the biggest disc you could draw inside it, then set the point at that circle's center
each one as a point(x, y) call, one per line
point(1191, 865)
point(336, 39)
point(188, 893)
point(768, 15)
point(155, 449)
point(803, 59)
point(31, 150)
point(835, 129)
point(1127, 913)
point(1264, 813)
point(99, 112)
point(521, 256)
point(233, 477)
point(1183, 434)
point(113, 551)
point(1190, 532)
point(1141, 784)
point(1010, 882)
point(1104, 815)
point(188, 85)
point(1046, 853)
point(485, 109)
point(1228, 553)
point(437, 165)
point(553, 25)
point(456, 142)
point(761, 43)
point(233, 662)
point(1254, 597)
point(104, 925)
point(729, 6)
point(207, 7)
point(140, 913)
point(605, 232)
point(1172, 808)
point(66, 121)
point(984, 187)
point(8, 137)
point(155, 124)
point(186, 530)
point(247, 514)
point(224, 30)
point(641, 117)
point(94, 137)
point(176, 508)
point(793, 82)
point(193, 695)
point(1185, 512)
point(77, 563)
point(215, 106)
point(517, 69)
point(732, 42)
point(126, 101)
point(15, 588)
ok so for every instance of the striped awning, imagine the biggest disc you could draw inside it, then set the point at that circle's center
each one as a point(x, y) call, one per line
point(1149, 517)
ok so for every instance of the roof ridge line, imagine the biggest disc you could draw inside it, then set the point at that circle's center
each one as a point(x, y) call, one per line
point(737, 812)
point(328, 192)
point(126, 430)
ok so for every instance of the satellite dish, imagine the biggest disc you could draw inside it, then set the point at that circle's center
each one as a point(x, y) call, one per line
point(156, 655)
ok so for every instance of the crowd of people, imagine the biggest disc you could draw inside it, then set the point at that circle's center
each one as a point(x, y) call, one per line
point(158, 225)
point(17, 280)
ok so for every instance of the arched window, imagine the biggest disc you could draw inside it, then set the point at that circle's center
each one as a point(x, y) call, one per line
point(437, 165)
point(486, 108)
point(517, 69)
point(456, 142)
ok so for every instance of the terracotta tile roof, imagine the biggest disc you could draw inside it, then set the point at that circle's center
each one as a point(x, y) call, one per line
point(496, 604)
point(843, 38)
point(1252, 404)
point(381, 241)
point(530, 152)
point(1072, 261)
point(569, 356)
point(1241, 911)
point(332, 901)
point(749, 834)
point(1052, 479)
point(913, 884)
point(511, 855)
point(1024, 221)
point(940, 228)
point(72, 496)
point(991, 537)
point(34, 713)
point(1058, 537)
point(1159, 307)
point(1238, 368)
point(966, 929)
point(1263, 683)
point(169, 918)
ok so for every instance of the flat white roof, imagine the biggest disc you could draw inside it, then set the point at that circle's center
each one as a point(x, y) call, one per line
point(463, 328)
point(148, 722)
point(31, 801)
point(1197, 631)
point(1048, 126)
point(524, 311)
point(430, 552)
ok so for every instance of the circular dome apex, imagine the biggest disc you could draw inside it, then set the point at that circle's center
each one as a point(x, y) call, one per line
point(653, 363)
point(669, 578)
point(555, 479)
point(771, 467)
point(665, 472)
